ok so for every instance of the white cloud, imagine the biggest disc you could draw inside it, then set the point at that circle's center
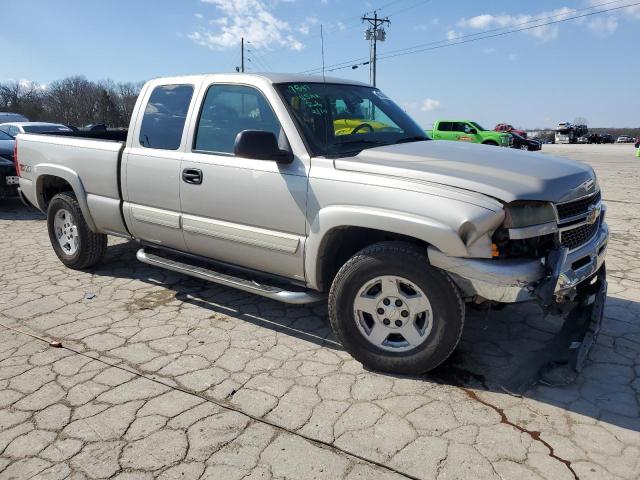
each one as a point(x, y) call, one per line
point(543, 32)
point(489, 51)
point(306, 25)
point(603, 26)
point(512, 57)
point(452, 35)
point(430, 104)
point(251, 19)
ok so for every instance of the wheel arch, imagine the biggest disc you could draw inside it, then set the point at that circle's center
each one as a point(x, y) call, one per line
point(338, 232)
point(50, 179)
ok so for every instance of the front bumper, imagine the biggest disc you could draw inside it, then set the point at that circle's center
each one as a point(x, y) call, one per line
point(520, 280)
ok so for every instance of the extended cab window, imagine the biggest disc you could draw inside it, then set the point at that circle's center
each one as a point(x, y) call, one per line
point(444, 126)
point(164, 117)
point(228, 110)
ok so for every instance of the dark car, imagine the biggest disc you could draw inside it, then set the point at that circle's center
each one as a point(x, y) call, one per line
point(607, 138)
point(7, 168)
point(525, 143)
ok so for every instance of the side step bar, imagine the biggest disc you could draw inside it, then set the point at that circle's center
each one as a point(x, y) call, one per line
point(275, 293)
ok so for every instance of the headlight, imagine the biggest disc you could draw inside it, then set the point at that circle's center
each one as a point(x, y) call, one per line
point(527, 214)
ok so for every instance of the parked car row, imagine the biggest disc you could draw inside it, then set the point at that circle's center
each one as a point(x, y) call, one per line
point(468, 131)
point(503, 135)
point(596, 138)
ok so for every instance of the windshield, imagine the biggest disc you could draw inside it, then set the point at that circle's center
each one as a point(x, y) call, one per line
point(340, 119)
point(45, 128)
point(478, 127)
point(5, 136)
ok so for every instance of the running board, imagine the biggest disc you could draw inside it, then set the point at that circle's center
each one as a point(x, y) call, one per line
point(275, 293)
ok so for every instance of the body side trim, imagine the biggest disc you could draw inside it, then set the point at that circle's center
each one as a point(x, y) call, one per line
point(259, 237)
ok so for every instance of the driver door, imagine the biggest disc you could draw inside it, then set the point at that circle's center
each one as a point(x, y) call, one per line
point(243, 211)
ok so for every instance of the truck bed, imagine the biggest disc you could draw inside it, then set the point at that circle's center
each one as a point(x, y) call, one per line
point(96, 161)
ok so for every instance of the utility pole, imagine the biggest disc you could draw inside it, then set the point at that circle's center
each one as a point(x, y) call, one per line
point(242, 54)
point(375, 33)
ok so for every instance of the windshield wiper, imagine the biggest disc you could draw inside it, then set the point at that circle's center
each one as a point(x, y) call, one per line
point(415, 138)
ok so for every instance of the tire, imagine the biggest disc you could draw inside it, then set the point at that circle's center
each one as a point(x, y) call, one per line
point(490, 142)
point(407, 264)
point(78, 247)
point(525, 148)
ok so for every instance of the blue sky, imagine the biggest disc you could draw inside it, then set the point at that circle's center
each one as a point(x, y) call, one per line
point(588, 67)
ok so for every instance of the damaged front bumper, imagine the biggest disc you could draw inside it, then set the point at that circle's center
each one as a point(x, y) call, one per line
point(549, 280)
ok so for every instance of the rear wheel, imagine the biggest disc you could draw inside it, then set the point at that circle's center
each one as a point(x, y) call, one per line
point(524, 147)
point(393, 311)
point(73, 242)
point(490, 142)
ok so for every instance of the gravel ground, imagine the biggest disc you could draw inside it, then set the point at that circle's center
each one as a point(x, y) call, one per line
point(163, 376)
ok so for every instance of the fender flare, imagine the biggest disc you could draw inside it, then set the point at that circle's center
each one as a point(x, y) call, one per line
point(72, 178)
point(330, 218)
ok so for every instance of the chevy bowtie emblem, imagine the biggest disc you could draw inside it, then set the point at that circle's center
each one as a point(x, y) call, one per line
point(593, 214)
point(588, 185)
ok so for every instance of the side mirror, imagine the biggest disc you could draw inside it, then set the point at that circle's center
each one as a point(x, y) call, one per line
point(473, 131)
point(260, 145)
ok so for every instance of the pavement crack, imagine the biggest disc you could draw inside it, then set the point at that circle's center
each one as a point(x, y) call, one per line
point(534, 434)
point(226, 406)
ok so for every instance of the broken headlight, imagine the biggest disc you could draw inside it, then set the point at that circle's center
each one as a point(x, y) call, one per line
point(528, 214)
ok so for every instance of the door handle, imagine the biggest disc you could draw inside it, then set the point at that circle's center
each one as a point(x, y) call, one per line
point(192, 176)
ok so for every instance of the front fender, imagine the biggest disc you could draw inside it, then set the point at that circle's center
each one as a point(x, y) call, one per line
point(428, 230)
point(72, 178)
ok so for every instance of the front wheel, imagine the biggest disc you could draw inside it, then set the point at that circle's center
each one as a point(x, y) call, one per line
point(394, 312)
point(73, 242)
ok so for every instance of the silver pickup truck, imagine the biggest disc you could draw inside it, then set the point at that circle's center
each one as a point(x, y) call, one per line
point(298, 189)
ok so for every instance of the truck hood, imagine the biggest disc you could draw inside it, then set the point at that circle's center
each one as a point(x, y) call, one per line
point(503, 173)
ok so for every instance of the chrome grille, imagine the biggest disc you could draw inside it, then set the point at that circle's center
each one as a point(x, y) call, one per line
point(578, 236)
point(576, 228)
point(577, 207)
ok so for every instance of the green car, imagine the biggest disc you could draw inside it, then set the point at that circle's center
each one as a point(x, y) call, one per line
point(466, 131)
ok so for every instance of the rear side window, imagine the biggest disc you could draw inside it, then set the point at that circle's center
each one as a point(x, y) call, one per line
point(165, 116)
point(444, 126)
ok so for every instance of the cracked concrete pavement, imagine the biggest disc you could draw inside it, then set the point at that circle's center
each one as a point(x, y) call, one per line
point(163, 376)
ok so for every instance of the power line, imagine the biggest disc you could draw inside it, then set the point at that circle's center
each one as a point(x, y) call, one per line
point(354, 63)
point(410, 7)
point(386, 5)
point(256, 60)
point(411, 50)
point(348, 63)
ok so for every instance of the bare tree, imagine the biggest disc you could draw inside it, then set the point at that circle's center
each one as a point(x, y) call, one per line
point(72, 101)
point(22, 97)
point(580, 121)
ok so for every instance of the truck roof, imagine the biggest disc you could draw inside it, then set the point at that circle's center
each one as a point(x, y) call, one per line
point(270, 77)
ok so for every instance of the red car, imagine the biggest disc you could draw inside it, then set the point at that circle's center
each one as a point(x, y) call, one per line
point(506, 128)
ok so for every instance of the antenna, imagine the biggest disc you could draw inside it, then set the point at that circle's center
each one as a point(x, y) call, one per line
point(322, 46)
